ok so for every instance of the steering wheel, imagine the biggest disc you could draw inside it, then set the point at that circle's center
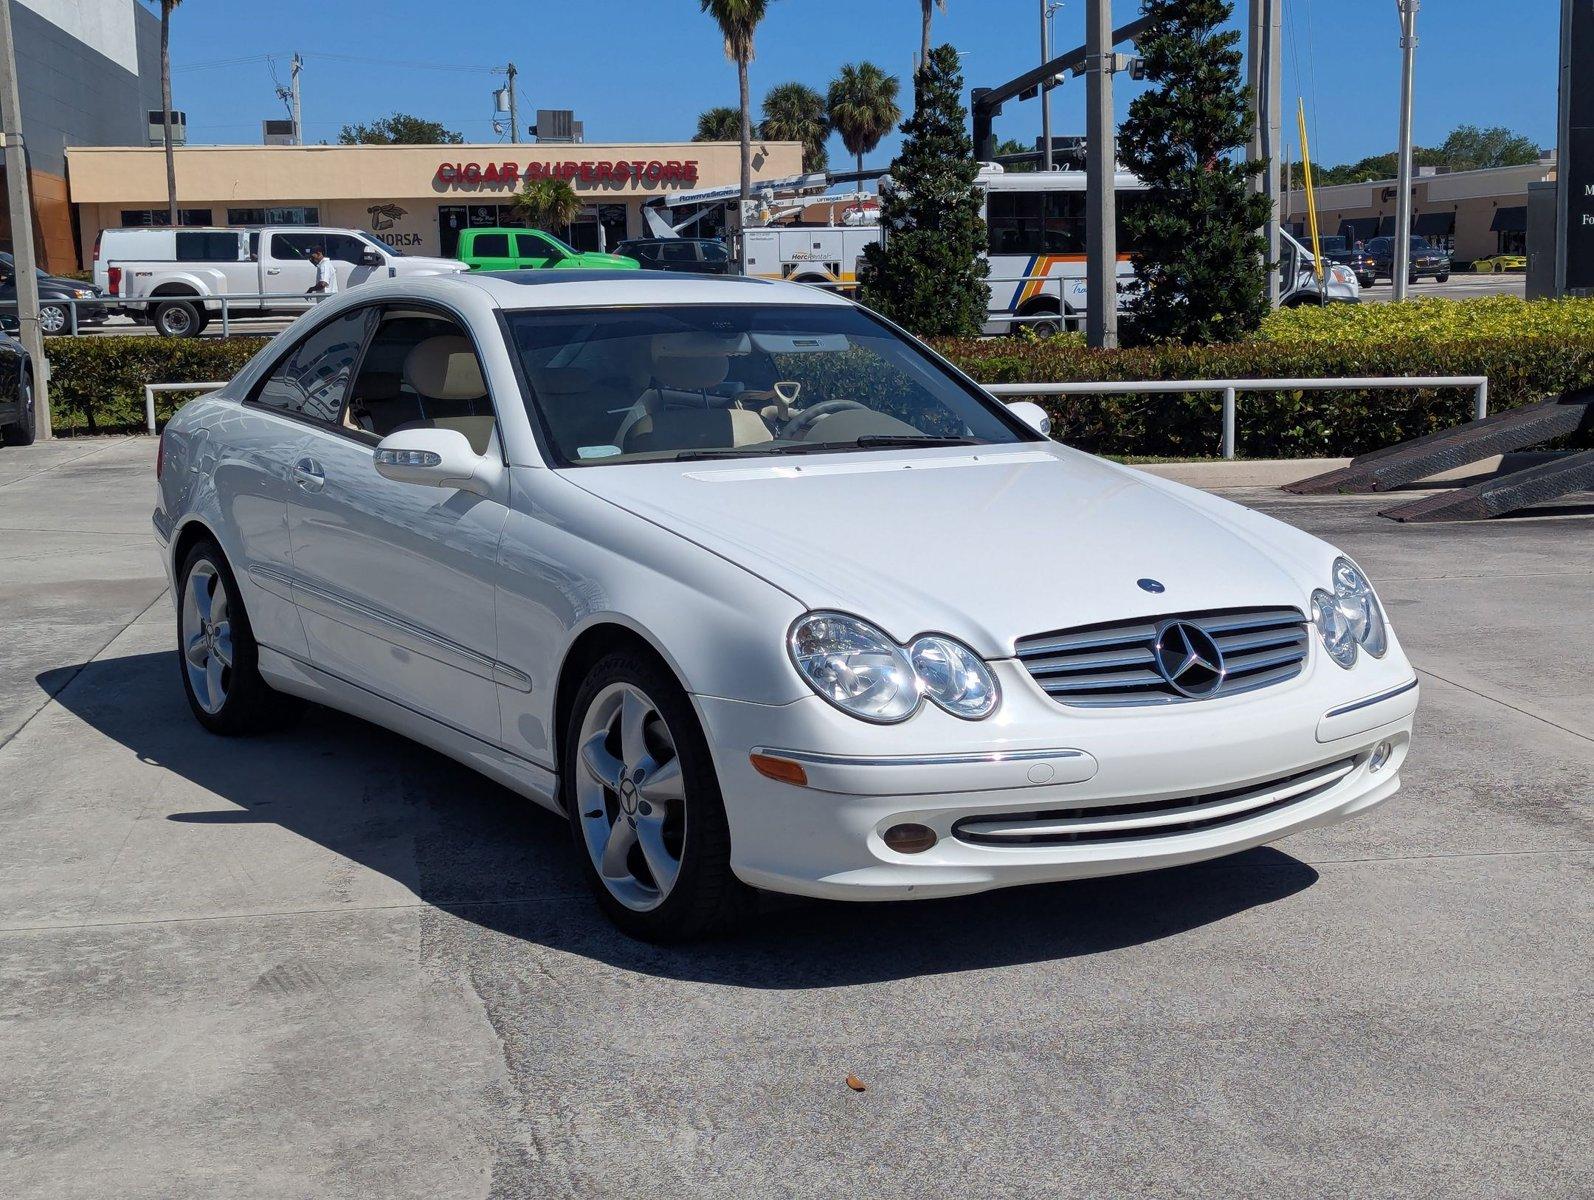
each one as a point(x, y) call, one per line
point(804, 421)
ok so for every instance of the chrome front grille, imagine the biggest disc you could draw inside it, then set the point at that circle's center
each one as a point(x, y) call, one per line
point(1138, 820)
point(1121, 663)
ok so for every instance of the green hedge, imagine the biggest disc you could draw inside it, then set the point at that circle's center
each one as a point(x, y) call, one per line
point(97, 383)
point(1528, 351)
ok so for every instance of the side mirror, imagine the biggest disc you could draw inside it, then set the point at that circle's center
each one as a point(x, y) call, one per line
point(372, 258)
point(440, 458)
point(1033, 415)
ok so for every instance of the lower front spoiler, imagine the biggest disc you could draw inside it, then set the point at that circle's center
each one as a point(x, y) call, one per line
point(955, 868)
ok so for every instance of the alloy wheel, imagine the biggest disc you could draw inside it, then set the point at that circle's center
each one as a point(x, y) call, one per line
point(207, 643)
point(51, 318)
point(630, 796)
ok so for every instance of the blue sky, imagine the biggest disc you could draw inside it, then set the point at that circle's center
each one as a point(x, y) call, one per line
point(639, 70)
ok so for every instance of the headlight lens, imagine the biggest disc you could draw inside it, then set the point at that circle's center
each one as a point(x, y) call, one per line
point(1356, 600)
point(855, 666)
point(1333, 628)
point(954, 677)
point(1349, 616)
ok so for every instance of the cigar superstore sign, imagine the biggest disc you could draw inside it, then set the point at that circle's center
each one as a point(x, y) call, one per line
point(592, 173)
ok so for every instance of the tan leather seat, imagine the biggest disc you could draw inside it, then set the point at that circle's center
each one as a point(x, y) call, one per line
point(445, 368)
point(685, 366)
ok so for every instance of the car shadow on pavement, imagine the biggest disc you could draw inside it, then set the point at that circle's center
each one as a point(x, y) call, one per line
point(468, 847)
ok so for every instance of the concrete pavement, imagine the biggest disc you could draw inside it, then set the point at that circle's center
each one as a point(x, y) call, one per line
point(331, 963)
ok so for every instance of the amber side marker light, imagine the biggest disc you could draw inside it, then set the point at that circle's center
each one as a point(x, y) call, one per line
point(781, 769)
point(909, 838)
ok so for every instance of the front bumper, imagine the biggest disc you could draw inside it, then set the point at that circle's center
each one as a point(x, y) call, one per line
point(1038, 758)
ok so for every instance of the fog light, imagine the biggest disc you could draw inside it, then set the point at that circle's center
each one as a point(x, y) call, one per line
point(909, 838)
point(1380, 756)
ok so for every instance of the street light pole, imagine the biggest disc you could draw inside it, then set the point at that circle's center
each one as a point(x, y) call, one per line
point(1408, 53)
point(22, 261)
point(514, 110)
point(1046, 92)
point(1101, 164)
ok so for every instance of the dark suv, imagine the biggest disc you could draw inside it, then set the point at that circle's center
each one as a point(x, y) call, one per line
point(1336, 249)
point(1423, 260)
point(696, 256)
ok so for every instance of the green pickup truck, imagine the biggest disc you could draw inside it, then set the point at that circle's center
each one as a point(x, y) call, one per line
point(501, 249)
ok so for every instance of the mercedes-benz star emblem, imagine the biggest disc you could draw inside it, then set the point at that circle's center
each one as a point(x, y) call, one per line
point(1189, 659)
point(628, 795)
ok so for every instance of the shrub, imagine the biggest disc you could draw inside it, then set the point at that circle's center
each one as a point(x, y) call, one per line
point(97, 383)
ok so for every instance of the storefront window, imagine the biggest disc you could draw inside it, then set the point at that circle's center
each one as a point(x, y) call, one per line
point(292, 215)
point(160, 216)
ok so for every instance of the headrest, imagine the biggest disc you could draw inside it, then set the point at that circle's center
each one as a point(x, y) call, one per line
point(445, 368)
point(692, 361)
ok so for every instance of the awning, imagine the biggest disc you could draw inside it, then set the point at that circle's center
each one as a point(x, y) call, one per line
point(1434, 224)
point(1513, 219)
point(1358, 229)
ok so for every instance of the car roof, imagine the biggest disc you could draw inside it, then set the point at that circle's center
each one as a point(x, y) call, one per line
point(618, 289)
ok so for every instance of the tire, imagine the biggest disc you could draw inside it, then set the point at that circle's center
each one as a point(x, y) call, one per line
point(1442, 277)
point(1050, 327)
point(55, 319)
point(26, 427)
point(227, 697)
point(663, 808)
point(177, 319)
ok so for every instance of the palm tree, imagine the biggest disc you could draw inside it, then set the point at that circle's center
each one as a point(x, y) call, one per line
point(737, 20)
point(718, 124)
point(924, 30)
point(863, 107)
point(794, 112)
point(549, 204)
point(166, 106)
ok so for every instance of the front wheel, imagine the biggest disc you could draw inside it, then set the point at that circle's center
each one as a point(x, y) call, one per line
point(217, 653)
point(1443, 277)
point(645, 806)
point(54, 319)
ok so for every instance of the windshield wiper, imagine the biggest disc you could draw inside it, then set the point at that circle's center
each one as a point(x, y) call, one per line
point(747, 451)
point(870, 440)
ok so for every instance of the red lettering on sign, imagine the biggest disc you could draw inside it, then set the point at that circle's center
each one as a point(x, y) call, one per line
point(472, 172)
point(490, 175)
point(689, 173)
point(604, 171)
point(590, 171)
point(655, 169)
point(536, 170)
point(446, 172)
point(509, 171)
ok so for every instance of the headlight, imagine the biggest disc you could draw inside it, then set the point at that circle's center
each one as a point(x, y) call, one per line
point(954, 677)
point(1360, 606)
point(1349, 616)
point(854, 666)
point(82, 294)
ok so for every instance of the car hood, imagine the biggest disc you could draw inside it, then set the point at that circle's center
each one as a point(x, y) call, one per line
point(593, 259)
point(986, 543)
point(417, 264)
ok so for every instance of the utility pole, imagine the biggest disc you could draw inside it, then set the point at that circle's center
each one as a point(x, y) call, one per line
point(514, 112)
point(1046, 92)
point(1408, 56)
point(1101, 165)
point(1264, 76)
point(293, 88)
point(22, 261)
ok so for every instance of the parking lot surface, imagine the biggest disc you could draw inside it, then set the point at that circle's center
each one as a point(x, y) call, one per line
point(1457, 287)
point(331, 963)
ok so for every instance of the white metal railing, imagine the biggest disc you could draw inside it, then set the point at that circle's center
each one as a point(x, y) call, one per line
point(225, 302)
point(151, 388)
point(1230, 388)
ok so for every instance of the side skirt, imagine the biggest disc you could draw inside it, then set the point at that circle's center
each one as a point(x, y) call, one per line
point(531, 780)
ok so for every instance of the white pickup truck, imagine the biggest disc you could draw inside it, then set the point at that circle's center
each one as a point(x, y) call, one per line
point(179, 269)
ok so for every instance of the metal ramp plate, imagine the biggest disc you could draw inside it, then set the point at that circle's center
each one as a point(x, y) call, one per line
point(1499, 433)
point(1507, 493)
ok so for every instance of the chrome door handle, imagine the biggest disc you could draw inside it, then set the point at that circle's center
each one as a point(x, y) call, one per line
point(273, 270)
point(307, 474)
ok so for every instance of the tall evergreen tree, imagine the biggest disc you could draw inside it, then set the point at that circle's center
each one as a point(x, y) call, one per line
point(929, 275)
point(1197, 254)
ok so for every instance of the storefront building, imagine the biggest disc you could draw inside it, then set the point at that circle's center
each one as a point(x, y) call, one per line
point(1473, 214)
point(416, 198)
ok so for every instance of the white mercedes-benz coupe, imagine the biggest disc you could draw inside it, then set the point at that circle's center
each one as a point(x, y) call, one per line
point(759, 592)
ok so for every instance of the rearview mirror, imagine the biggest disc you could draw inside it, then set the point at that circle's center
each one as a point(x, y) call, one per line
point(1033, 415)
point(372, 258)
point(439, 458)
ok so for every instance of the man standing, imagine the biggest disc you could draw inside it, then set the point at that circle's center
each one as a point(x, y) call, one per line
point(326, 278)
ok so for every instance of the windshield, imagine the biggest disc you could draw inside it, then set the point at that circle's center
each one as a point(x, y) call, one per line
point(722, 381)
point(382, 246)
point(561, 246)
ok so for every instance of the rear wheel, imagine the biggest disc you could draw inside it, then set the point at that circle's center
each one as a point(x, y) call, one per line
point(645, 807)
point(1043, 321)
point(217, 653)
point(177, 319)
point(25, 428)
